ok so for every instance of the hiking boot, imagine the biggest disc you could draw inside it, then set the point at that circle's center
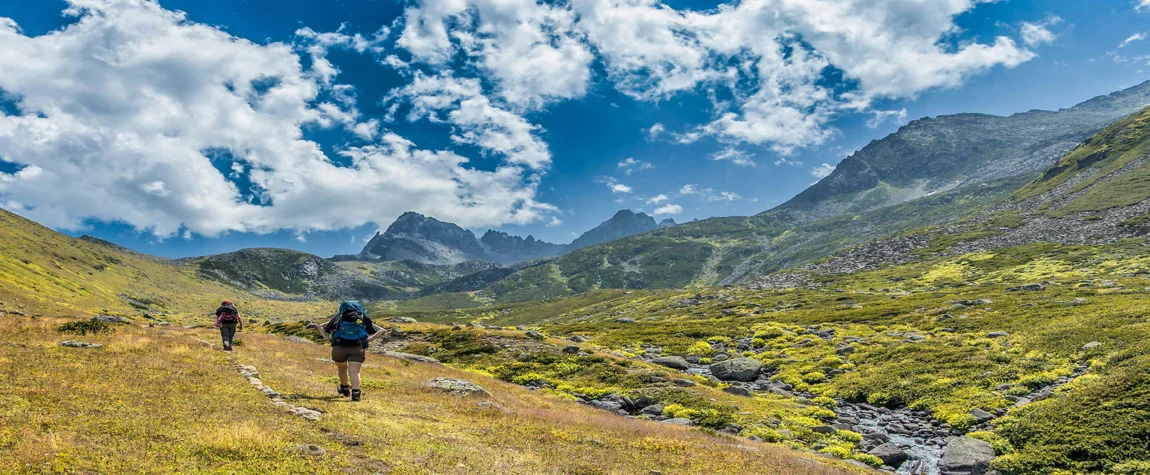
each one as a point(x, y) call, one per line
point(344, 391)
point(355, 394)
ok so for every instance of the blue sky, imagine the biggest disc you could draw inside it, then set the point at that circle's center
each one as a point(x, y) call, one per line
point(310, 125)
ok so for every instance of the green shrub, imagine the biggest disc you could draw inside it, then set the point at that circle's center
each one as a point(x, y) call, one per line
point(814, 377)
point(700, 348)
point(849, 436)
point(867, 459)
point(825, 402)
point(85, 327)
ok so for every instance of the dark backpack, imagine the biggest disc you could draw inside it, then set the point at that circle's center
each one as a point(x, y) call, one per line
point(350, 332)
point(229, 316)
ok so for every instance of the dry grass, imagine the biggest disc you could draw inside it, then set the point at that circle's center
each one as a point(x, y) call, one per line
point(154, 400)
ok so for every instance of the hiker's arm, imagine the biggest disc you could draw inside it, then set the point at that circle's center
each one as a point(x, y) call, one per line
point(378, 333)
point(239, 322)
point(323, 331)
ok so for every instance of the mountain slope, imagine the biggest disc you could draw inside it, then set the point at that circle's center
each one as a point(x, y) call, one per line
point(43, 271)
point(931, 171)
point(415, 237)
point(624, 223)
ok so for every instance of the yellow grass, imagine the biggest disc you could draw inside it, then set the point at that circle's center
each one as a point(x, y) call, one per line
point(154, 400)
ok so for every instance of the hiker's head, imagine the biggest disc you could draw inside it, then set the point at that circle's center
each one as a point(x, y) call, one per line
point(350, 306)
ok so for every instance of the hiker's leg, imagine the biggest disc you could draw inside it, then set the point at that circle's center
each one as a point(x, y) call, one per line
point(342, 372)
point(353, 368)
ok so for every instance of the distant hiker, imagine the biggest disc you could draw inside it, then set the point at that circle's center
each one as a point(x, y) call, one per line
point(228, 321)
point(349, 332)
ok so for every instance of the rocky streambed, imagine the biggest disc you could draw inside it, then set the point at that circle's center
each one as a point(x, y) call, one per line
point(909, 442)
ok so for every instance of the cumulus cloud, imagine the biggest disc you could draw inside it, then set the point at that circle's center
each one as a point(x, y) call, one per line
point(763, 61)
point(1039, 33)
point(1141, 5)
point(613, 185)
point(134, 113)
point(654, 131)
point(555, 222)
point(880, 117)
point(822, 171)
point(654, 200)
point(670, 209)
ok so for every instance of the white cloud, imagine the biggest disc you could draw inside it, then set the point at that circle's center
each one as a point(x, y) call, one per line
point(668, 209)
point(126, 112)
point(631, 165)
point(613, 185)
point(654, 200)
point(1133, 38)
point(1140, 5)
point(1039, 33)
point(763, 62)
point(709, 194)
point(555, 222)
point(822, 171)
point(656, 130)
point(738, 157)
point(880, 117)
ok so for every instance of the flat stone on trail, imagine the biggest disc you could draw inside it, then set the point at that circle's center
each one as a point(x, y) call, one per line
point(79, 344)
point(673, 362)
point(457, 387)
point(737, 369)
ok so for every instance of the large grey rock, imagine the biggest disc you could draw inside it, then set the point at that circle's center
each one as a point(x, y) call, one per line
point(411, 357)
point(997, 334)
point(673, 362)
point(457, 387)
point(402, 319)
point(966, 456)
point(79, 344)
point(1027, 288)
point(679, 421)
point(534, 334)
point(110, 319)
point(738, 391)
point(737, 369)
point(981, 415)
point(1090, 346)
point(610, 406)
point(890, 454)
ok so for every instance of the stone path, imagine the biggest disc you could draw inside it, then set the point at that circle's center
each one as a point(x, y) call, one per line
point(253, 377)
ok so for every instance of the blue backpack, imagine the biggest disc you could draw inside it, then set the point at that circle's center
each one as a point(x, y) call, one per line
point(351, 332)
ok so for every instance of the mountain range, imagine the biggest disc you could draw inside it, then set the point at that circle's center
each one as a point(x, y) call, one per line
point(419, 238)
point(930, 172)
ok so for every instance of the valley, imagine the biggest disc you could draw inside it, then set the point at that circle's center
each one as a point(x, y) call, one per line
point(967, 296)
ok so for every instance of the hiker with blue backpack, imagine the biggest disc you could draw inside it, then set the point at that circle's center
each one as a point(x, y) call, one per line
point(349, 333)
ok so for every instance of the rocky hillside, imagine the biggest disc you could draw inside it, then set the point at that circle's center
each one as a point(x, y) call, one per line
point(930, 172)
point(624, 223)
point(427, 240)
point(1098, 194)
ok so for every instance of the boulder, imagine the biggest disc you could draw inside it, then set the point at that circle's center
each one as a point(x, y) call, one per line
point(402, 320)
point(721, 357)
point(997, 334)
point(981, 415)
point(457, 387)
point(678, 421)
point(683, 383)
point(610, 406)
point(110, 319)
point(966, 456)
point(890, 454)
point(653, 410)
point(571, 349)
point(534, 334)
point(578, 339)
point(738, 391)
point(1027, 288)
point(1090, 346)
point(625, 320)
point(823, 429)
point(737, 369)
point(673, 362)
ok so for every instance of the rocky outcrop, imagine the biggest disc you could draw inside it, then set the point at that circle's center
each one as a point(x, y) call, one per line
point(625, 223)
point(456, 387)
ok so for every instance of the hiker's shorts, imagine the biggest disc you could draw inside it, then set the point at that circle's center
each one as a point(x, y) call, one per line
point(342, 354)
